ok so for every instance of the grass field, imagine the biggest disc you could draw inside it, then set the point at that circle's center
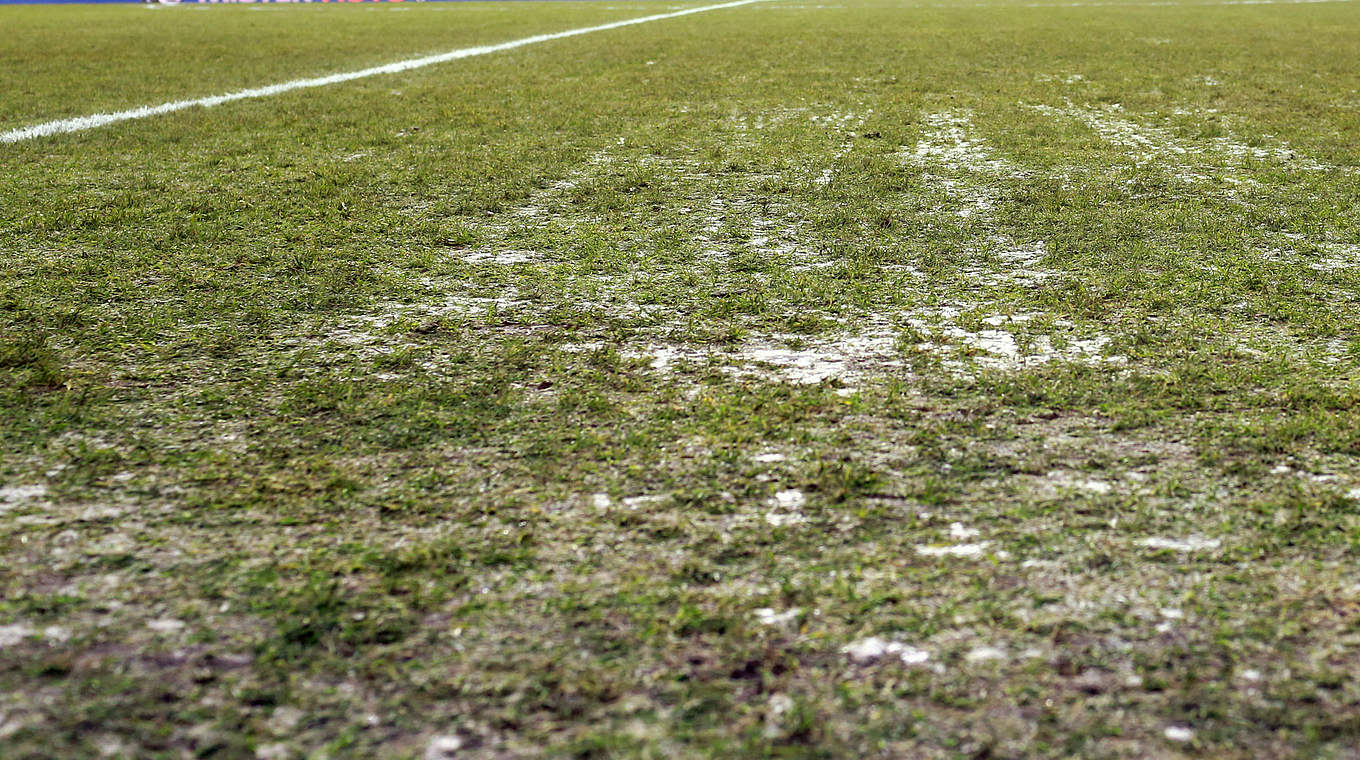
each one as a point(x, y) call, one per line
point(861, 379)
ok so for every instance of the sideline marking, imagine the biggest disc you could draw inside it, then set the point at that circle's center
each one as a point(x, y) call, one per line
point(80, 123)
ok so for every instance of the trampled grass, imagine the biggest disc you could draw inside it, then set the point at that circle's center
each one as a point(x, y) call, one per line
point(791, 380)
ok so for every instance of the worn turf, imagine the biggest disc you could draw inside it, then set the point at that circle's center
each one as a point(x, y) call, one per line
point(793, 380)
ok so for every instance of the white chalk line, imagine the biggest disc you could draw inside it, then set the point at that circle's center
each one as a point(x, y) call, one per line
point(80, 123)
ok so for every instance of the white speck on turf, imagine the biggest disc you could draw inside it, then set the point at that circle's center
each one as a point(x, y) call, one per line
point(779, 706)
point(1191, 544)
point(1179, 734)
point(958, 531)
point(985, 654)
point(275, 751)
point(768, 616)
point(20, 494)
point(770, 458)
point(505, 258)
point(1060, 479)
point(970, 551)
point(165, 625)
point(790, 499)
point(13, 634)
point(443, 748)
point(871, 649)
point(781, 519)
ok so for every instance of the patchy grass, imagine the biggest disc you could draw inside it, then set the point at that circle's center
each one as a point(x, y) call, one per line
point(864, 380)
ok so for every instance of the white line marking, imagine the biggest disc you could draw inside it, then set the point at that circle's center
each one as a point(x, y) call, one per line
point(79, 123)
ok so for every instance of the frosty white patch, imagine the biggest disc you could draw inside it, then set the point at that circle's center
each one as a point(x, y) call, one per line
point(969, 551)
point(1191, 544)
point(768, 616)
point(873, 648)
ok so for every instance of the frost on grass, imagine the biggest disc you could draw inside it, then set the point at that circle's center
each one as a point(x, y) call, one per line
point(1146, 143)
point(723, 213)
point(1216, 164)
point(13, 496)
point(793, 359)
point(1066, 481)
point(769, 616)
point(444, 748)
point(985, 654)
point(165, 625)
point(874, 648)
point(785, 508)
point(726, 214)
point(14, 633)
point(1179, 734)
point(504, 258)
point(959, 532)
point(1191, 544)
point(961, 164)
point(965, 551)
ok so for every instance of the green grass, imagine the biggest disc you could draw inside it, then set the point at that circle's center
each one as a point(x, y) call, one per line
point(494, 399)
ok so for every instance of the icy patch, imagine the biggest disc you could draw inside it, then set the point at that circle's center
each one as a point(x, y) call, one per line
point(779, 706)
point(968, 551)
point(767, 616)
point(1169, 614)
point(13, 634)
point(1192, 544)
point(1000, 350)
point(13, 495)
point(785, 506)
point(873, 648)
point(1063, 480)
point(1179, 734)
point(825, 360)
point(985, 654)
point(958, 531)
point(790, 499)
point(847, 358)
point(951, 142)
point(504, 258)
point(784, 519)
point(1064, 78)
point(444, 748)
